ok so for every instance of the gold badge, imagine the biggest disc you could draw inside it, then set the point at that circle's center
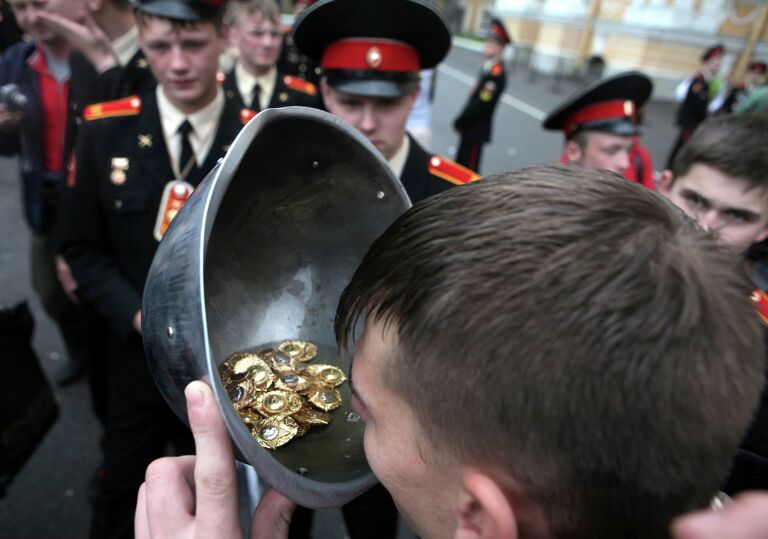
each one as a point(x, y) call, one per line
point(629, 108)
point(230, 94)
point(142, 63)
point(119, 167)
point(174, 196)
point(145, 141)
point(283, 97)
point(373, 57)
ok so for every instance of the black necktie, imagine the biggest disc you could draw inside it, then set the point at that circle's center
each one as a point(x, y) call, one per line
point(186, 147)
point(256, 101)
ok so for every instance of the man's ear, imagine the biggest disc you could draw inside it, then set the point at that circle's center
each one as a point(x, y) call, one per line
point(573, 152)
point(665, 182)
point(94, 6)
point(484, 511)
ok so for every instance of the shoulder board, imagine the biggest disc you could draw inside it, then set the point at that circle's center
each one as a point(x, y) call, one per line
point(497, 69)
point(450, 171)
point(300, 85)
point(246, 115)
point(761, 305)
point(127, 106)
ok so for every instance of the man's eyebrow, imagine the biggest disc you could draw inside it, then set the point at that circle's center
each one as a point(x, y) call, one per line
point(354, 391)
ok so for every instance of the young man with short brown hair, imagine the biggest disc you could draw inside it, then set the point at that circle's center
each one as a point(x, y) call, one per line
point(554, 352)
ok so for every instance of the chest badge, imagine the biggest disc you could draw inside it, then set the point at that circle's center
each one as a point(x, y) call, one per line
point(120, 166)
point(282, 97)
point(174, 196)
point(145, 141)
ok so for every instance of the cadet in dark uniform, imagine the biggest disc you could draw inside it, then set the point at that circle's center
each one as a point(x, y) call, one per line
point(137, 160)
point(474, 124)
point(294, 61)
point(695, 95)
point(255, 82)
point(371, 53)
point(600, 122)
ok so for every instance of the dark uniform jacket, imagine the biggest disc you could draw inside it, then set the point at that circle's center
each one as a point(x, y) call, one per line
point(737, 94)
point(474, 122)
point(289, 91)
point(693, 109)
point(293, 61)
point(119, 81)
point(425, 174)
point(109, 241)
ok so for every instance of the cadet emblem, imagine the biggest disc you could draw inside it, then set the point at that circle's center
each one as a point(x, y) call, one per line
point(220, 77)
point(283, 97)
point(629, 108)
point(246, 115)
point(174, 196)
point(300, 85)
point(451, 171)
point(119, 167)
point(145, 141)
point(760, 300)
point(142, 63)
point(128, 106)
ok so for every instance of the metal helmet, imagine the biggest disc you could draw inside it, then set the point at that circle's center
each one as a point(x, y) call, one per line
point(260, 253)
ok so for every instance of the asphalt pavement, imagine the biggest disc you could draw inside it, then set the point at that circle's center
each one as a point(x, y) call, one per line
point(49, 498)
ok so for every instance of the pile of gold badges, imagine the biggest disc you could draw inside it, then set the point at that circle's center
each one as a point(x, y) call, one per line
point(279, 394)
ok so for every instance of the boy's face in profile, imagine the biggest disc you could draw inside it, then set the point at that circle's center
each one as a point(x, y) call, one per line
point(424, 487)
point(728, 206)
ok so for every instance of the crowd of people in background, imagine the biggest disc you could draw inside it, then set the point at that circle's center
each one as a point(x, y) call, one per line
point(118, 109)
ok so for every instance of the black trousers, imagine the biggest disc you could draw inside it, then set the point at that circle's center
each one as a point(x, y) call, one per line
point(469, 154)
point(139, 428)
point(371, 515)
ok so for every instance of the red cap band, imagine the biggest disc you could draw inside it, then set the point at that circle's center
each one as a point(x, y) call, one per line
point(605, 110)
point(371, 55)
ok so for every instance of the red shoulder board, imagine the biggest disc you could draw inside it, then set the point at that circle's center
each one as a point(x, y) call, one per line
point(496, 70)
point(450, 171)
point(300, 85)
point(246, 115)
point(128, 106)
point(761, 305)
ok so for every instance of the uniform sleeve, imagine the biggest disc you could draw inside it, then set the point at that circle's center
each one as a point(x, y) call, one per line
point(84, 239)
point(482, 102)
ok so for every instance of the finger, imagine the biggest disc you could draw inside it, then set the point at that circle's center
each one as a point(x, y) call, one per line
point(215, 479)
point(140, 522)
point(170, 500)
point(745, 517)
point(272, 517)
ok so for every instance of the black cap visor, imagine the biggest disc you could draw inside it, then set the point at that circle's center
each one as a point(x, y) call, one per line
point(176, 10)
point(622, 127)
point(372, 83)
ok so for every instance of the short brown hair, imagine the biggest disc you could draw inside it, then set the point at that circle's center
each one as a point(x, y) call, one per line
point(268, 9)
point(574, 330)
point(142, 18)
point(734, 144)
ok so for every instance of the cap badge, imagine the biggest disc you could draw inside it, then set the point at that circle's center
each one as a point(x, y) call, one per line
point(629, 108)
point(373, 57)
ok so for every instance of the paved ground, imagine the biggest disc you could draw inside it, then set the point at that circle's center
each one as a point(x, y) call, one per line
point(49, 497)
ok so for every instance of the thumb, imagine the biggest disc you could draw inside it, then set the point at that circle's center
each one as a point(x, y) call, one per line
point(272, 517)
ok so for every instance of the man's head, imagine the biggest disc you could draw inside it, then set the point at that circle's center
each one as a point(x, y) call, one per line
point(554, 351)
point(497, 39)
point(371, 54)
point(600, 121)
point(711, 60)
point(182, 41)
point(381, 120)
point(757, 74)
point(27, 11)
point(255, 33)
point(720, 178)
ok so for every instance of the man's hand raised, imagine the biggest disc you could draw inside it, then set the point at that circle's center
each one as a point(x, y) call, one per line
point(196, 496)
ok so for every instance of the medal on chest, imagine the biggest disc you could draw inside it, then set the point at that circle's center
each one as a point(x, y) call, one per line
point(175, 194)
